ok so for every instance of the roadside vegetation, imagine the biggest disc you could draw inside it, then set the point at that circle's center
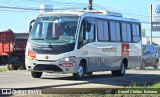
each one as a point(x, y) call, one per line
point(3, 69)
point(156, 85)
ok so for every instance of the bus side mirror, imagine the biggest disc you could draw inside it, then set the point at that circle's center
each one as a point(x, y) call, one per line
point(31, 25)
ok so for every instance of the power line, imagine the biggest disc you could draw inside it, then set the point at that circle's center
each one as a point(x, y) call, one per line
point(66, 6)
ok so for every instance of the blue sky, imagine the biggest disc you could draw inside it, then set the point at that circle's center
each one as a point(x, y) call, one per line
point(18, 20)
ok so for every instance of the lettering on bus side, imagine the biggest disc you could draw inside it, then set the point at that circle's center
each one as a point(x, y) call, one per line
point(109, 49)
point(84, 52)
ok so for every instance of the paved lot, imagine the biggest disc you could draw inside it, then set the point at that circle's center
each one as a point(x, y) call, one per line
point(23, 79)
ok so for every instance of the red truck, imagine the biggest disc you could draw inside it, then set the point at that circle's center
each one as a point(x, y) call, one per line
point(12, 49)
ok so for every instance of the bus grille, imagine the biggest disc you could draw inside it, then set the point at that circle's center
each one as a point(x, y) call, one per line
point(41, 67)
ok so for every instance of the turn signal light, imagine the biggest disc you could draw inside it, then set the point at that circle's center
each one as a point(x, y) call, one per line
point(32, 54)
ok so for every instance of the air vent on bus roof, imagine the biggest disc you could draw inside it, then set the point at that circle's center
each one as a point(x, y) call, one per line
point(109, 13)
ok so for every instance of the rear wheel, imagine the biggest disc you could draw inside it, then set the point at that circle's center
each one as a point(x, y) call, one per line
point(142, 65)
point(36, 74)
point(80, 73)
point(156, 65)
point(120, 72)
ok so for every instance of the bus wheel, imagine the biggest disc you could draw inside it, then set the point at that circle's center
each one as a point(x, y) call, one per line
point(89, 73)
point(120, 72)
point(14, 67)
point(80, 73)
point(36, 74)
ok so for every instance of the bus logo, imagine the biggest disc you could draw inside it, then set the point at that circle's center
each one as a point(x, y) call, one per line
point(125, 49)
point(46, 57)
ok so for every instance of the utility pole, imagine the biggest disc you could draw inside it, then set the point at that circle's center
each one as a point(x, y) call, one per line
point(90, 6)
point(151, 25)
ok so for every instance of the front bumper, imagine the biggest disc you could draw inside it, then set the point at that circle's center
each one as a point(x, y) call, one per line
point(50, 66)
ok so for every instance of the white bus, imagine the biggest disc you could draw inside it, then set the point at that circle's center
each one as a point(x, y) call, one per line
point(83, 42)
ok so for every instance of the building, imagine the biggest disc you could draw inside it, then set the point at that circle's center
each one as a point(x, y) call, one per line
point(155, 39)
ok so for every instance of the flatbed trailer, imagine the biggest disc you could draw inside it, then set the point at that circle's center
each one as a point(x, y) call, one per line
point(12, 49)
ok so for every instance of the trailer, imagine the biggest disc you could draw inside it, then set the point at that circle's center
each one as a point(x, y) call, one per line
point(12, 49)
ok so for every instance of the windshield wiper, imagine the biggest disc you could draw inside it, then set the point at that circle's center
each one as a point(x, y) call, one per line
point(66, 43)
point(48, 43)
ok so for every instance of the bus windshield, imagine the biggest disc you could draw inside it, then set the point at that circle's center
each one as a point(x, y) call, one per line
point(57, 30)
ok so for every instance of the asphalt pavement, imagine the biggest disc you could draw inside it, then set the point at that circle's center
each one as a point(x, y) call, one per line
point(23, 79)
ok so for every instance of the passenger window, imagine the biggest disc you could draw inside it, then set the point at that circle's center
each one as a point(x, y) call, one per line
point(136, 32)
point(129, 32)
point(113, 30)
point(100, 30)
point(105, 29)
point(102, 27)
point(124, 32)
point(118, 32)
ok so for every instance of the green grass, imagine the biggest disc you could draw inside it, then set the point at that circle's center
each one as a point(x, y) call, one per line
point(3, 69)
point(156, 85)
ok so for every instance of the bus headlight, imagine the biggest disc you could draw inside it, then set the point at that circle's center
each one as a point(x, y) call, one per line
point(72, 58)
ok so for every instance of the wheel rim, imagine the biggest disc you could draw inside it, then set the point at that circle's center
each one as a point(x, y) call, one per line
point(80, 71)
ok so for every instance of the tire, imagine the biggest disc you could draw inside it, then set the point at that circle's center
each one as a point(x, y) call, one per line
point(142, 67)
point(89, 73)
point(22, 67)
point(156, 65)
point(36, 74)
point(80, 74)
point(8, 66)
point(14, 67)
point(120, 72)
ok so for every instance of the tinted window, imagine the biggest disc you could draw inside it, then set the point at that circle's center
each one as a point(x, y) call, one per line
point(136, 32)
point(103, 34)
point(118, 31)
point(113, 30)
point(100, 30)
point(129, 32)
point(106, 34)
point(124, 32)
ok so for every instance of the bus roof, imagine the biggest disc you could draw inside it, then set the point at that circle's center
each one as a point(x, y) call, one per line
point(92, 13)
